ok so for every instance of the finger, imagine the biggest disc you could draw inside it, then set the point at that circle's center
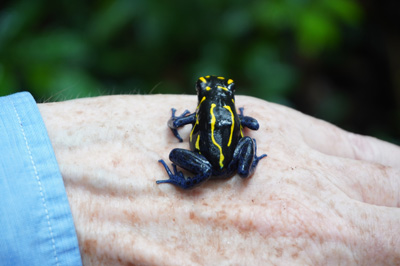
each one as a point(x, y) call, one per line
point(376, 230)
point(374, 150)
point(332, 140)
point(365, 177)
point(365, 181)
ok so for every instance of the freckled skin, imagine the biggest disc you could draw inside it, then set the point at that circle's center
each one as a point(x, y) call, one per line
point(217, 145)
point(308, 205)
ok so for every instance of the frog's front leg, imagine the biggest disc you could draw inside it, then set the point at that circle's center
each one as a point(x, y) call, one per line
point(247, 121)
point(178, 121)
point(191, 161)
point(245, 157)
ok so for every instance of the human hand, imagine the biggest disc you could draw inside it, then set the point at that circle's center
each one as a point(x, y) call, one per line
point(322, 196)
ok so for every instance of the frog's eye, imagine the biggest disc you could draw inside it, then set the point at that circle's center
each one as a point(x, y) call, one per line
point(231, 86)
point(201, 84)
point(198, 86)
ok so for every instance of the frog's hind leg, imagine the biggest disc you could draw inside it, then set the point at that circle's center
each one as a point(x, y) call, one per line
point(245, 157)
point(191, 161)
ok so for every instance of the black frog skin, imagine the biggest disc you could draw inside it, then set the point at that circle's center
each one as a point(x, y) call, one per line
point(217, 146)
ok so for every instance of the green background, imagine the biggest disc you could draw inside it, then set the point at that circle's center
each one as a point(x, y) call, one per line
point(334, 59)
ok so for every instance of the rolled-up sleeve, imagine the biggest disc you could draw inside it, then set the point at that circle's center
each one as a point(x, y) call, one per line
point(36, 226)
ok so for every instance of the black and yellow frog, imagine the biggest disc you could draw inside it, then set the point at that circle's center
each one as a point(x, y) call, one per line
point(217, 145)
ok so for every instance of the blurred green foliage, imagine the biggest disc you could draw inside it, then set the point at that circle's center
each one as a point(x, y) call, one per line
point(68, 49)
point(274, 49)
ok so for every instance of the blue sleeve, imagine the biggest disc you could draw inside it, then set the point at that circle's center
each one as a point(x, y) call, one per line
point(36, 226)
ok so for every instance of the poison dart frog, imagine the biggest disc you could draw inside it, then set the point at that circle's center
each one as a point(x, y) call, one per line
point(217, 145)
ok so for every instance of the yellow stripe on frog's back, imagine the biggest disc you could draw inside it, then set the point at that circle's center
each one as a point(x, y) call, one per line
point(222, 88)
point(233, 123)
point(197, 145)
point(197, 120)
point(213, 120)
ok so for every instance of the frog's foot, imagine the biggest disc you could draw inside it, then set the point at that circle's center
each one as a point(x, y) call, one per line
point(247, 121)
point(177, 121)
point(175, 178)
point(178, 179)
point(174, 117)
point(241, 109)
point(256, 158)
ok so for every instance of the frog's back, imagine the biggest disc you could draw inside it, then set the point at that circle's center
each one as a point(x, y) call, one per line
point(217, 129)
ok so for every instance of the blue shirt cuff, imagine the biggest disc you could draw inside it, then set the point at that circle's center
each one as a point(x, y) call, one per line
point(35, 218)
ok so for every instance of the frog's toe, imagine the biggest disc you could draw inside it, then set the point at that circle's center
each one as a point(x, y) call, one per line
point(163, 181)
point(180, 181)
point(257, 158)
point(176, 134)
point(243, 172)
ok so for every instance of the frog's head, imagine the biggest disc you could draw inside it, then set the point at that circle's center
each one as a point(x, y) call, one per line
point(214, 86)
